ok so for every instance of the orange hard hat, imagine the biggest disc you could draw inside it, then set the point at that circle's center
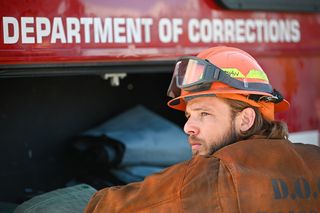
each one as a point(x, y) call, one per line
point(225, 72)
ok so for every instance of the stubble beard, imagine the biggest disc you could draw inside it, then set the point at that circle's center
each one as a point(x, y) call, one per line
point(228, 138)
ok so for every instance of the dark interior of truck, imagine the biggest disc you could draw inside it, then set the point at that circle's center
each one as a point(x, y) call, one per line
point(41, 115)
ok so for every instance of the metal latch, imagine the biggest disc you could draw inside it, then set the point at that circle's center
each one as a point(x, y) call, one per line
point(114, 78)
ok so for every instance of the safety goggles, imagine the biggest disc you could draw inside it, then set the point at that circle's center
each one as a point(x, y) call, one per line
point(195, 74)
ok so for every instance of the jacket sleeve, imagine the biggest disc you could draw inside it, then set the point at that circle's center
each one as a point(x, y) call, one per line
point(160, 189)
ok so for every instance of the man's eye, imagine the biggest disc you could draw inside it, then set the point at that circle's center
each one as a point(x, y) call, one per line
point(204, 114)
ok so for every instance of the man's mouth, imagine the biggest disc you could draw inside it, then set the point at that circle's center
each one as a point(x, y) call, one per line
point(194, 144)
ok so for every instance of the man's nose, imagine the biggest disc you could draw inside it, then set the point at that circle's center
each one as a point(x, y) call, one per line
point(190, 127)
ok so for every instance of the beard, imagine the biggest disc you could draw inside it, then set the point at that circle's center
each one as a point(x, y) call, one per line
point(228, 138)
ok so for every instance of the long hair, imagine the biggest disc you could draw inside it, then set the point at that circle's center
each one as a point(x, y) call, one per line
point(261, 126)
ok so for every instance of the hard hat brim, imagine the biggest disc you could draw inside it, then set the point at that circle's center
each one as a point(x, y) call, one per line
point(179, 103)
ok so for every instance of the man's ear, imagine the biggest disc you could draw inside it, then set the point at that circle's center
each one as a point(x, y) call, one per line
point(246, 117)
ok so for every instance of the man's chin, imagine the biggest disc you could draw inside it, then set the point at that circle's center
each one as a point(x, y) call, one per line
point(195, 153)
point(199, 152)
point(210, 151)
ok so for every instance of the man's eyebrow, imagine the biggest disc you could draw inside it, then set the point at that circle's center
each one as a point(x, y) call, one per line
point(201, 108)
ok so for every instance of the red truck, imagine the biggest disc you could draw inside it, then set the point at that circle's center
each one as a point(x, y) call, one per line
point(67, 65)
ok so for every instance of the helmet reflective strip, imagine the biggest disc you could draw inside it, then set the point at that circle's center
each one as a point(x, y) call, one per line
point(253, 74)
point(257, 74)
point(233, 72)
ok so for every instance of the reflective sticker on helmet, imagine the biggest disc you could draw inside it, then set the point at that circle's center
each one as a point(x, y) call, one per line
point(257, 74)
point(233, 72)
point(253, 74)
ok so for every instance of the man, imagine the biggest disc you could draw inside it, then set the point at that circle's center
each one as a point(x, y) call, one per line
point(242, 160)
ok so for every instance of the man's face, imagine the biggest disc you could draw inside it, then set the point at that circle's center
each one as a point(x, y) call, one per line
point(209, 125)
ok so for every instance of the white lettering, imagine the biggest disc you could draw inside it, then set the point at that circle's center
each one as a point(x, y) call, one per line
point(26, 29)
point(86, 22)
point(176, 29)
point(103, 34)
point(228, 30)
point(58, 31)
point(217, 30)
point(284, 31)
point(206, 30)
point(165, 30)
point(7, 37)
point(273, 31)
point(265, 30)
point(134, 30)
point(119, 30)
point(42, 28)
point(259, 30)
point(295, 31)
point(239, 30)
point(147, 23)
point(249, 34)
point(73, 30)
point(193, 34)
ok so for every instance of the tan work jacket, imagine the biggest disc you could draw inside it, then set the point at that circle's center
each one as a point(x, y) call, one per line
point(258, 175)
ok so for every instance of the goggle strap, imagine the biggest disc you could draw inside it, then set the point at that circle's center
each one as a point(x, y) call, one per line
point(222, 76)
point(275, 98)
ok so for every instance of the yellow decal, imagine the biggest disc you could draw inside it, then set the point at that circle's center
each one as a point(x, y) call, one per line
point(253, 74)
point(257, 74)
point(233, 72)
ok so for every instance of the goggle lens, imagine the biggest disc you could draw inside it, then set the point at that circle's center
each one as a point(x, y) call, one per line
point(187, 72)
point(190, 72)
